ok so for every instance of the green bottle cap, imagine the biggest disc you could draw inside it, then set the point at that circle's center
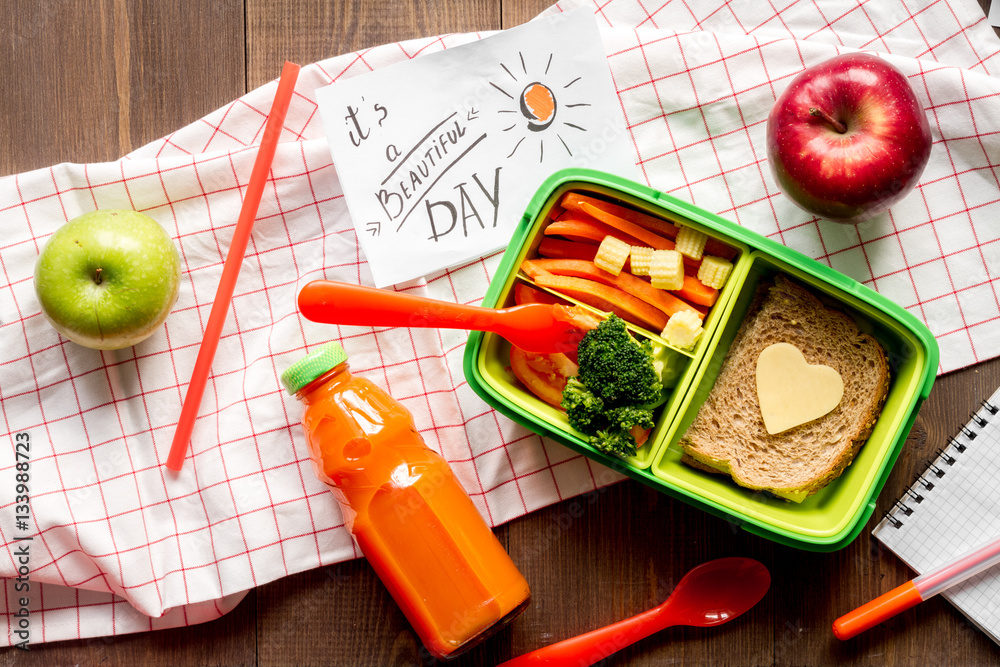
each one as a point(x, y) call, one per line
point(313, 365)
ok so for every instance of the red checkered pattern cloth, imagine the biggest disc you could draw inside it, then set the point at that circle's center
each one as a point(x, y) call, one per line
point(120, 545)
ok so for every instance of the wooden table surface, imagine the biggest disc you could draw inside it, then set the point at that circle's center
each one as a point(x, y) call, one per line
point(89, 80)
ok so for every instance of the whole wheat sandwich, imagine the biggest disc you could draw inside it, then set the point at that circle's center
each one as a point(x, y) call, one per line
point(728, 434)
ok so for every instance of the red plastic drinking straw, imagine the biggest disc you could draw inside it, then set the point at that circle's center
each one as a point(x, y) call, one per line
point(231, 268)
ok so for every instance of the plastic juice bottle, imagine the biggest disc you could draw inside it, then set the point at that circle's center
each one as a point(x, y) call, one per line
point(411, 517)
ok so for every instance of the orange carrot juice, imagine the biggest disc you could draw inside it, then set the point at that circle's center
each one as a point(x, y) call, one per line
point(411, 517)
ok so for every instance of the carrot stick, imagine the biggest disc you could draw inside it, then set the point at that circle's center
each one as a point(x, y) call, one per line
point(527, 294)
point(587, 230)
point(663, 300)
point(606, 298)
point(693, 291)
point(556, 248)
point(561, 249)
point(600, 216)
point(698, 292)
point(573, 201)
point(652, 239)
point(584, 229)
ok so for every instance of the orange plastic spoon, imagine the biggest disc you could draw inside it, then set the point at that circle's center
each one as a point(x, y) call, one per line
point(534, 327)
point(710, 594)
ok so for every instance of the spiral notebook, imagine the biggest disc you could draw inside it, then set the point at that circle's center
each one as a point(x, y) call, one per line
point(951, 508)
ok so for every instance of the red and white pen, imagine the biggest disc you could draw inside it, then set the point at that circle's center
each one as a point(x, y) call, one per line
point(917, 590)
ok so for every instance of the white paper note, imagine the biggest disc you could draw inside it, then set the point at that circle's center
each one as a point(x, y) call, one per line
point(439, 156)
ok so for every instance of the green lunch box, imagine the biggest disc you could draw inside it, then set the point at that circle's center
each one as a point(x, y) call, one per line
point(826, 521)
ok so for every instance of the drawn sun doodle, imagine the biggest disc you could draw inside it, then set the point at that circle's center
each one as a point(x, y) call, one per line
point(539, 110)
point(538, 105)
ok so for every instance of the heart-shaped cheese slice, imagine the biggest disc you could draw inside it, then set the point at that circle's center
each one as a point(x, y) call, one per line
point(792, 391)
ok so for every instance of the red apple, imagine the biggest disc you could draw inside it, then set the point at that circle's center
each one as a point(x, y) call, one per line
point(848, 138)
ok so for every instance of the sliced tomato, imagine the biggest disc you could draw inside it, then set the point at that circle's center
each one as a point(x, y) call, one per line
point(581, 318)
point(544, 375)
point(640, 434)
point(581, 321)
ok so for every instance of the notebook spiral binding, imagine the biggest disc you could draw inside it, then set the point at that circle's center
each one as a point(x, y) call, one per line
point(937, 467)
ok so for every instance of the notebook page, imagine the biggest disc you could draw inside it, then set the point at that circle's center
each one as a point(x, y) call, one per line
point(954, 506)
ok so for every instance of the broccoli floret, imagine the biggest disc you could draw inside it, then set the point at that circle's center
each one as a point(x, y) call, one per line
point(617, 437)
point(616, 367)
point(614, 441)
point(584, 409)
point(615, 389)
point(628, 416)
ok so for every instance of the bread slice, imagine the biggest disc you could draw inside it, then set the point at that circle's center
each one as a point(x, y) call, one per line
point(728, 434)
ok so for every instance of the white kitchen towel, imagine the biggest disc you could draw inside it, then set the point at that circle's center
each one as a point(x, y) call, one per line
point(118, 544)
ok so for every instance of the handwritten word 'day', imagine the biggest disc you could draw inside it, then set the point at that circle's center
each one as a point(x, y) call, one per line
point(465, 205)
point(419, 170)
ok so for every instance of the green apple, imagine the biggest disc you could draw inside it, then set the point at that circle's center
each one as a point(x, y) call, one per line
point(108, 279)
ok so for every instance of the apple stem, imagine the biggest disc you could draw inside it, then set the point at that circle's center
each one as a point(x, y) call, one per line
point(837, 125)
point(97, 275)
